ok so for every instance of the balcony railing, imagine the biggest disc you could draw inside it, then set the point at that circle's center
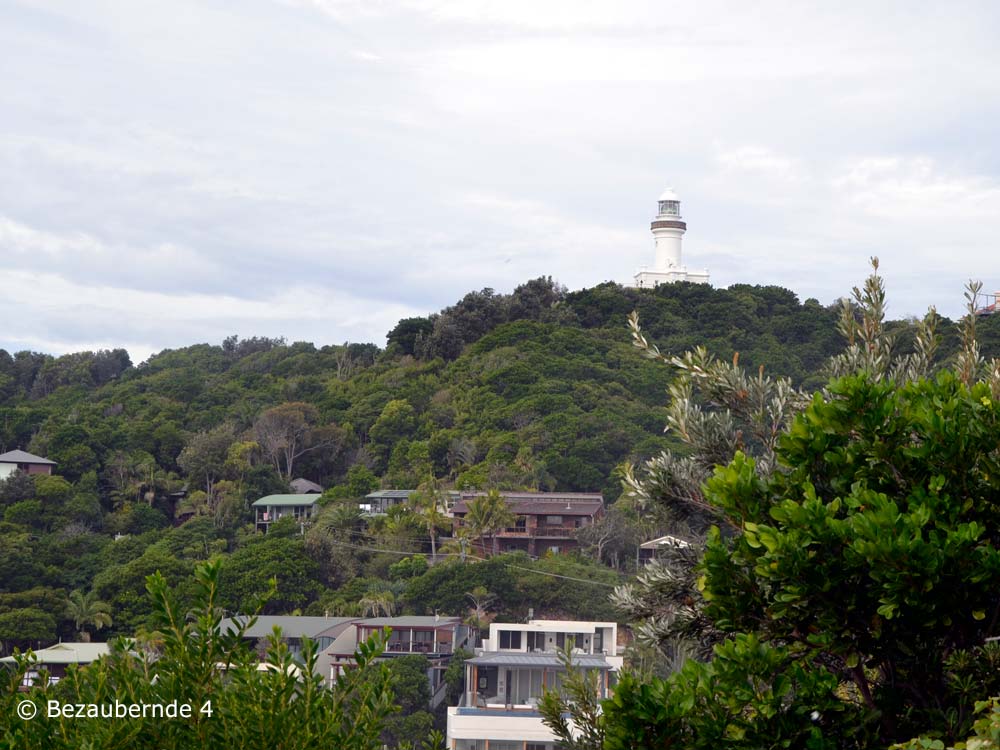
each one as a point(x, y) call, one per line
point(417, 647)
point(561, 531)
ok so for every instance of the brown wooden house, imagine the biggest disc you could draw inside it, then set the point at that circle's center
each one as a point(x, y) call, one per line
point(544, 521)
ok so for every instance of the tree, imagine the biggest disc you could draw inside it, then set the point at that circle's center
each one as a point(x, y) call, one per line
point(86, 611)
point(213, 671)
point(412, 693)
point(204, 457)
point(579, 696)
point(481, 599)
point(717, 408)
point(27, 626)
point(429, 504)
point(487, 515)
point(289, 431)
point(858, 565)
point(379, 603)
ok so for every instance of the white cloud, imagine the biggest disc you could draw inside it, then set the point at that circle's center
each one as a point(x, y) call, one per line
point(170, 173)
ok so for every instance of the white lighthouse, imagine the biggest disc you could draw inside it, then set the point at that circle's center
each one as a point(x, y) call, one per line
point(668, 230)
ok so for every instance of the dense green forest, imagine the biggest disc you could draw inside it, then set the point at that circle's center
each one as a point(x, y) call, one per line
point(540, 389)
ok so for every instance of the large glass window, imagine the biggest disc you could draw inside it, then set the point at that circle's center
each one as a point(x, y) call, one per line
point(670, 208)
point(510, 639)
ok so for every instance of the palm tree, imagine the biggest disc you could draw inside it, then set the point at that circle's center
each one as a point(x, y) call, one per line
point(488, 515)
point(427, 504)
point(85, 609)
point(378, 602)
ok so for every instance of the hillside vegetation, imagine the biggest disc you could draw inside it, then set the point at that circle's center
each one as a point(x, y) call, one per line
point(538, 389)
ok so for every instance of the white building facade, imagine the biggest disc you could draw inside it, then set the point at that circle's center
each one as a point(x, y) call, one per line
point(668, 228)
point(507, 677)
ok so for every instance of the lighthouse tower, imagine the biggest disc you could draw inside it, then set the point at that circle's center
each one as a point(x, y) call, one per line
point(668, 230)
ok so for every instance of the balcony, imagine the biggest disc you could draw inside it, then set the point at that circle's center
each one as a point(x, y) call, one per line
point(417, 647)
point(555, 532)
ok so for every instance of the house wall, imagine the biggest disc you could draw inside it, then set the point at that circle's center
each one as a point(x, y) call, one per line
point(482, 724)
point(7, 469)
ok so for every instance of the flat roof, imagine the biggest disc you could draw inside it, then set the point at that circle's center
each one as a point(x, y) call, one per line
point(555, 626)
point(386, 494)
point(515, 659)
point(284, 500)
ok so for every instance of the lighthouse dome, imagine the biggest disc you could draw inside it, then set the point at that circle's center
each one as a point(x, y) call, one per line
point(669, 195)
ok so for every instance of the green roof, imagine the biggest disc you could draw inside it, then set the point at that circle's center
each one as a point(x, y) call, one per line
point(285, 500)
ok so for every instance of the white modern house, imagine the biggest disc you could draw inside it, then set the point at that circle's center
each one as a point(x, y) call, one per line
point(668, 228)
point(508, 675)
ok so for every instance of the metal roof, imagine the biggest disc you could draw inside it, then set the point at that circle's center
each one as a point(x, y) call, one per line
point(517, 659)
point(385, 494)
point(543, 503)
point(23, 457)
point(303, 486)
point(665, 541)
point(292, 626)
point(284, 500)
point(68, 653)
point(411, 621)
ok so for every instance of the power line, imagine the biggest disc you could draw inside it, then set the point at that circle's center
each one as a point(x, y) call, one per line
point(473, 557)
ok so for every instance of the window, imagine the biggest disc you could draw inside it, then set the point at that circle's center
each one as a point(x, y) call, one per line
point(553, 520)
point(670, 208)
point(510, 639)
point(598, 641)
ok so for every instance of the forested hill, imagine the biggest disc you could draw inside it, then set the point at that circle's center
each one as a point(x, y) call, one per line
point(539, 388)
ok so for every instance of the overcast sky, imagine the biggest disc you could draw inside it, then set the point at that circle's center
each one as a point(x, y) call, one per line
point(174, 172)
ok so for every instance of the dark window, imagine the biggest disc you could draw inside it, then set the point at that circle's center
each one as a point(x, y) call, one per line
point(510, 639)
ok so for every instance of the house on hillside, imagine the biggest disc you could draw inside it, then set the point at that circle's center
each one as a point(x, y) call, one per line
point(274, 507)
point(378, 503)
point(302, 486)
point(435, 637)
point(544, 521)
point(55, 659)
point(337, 639)
point(324, 631)
point(653, 549)
point(507, 677)
point(18, 460)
